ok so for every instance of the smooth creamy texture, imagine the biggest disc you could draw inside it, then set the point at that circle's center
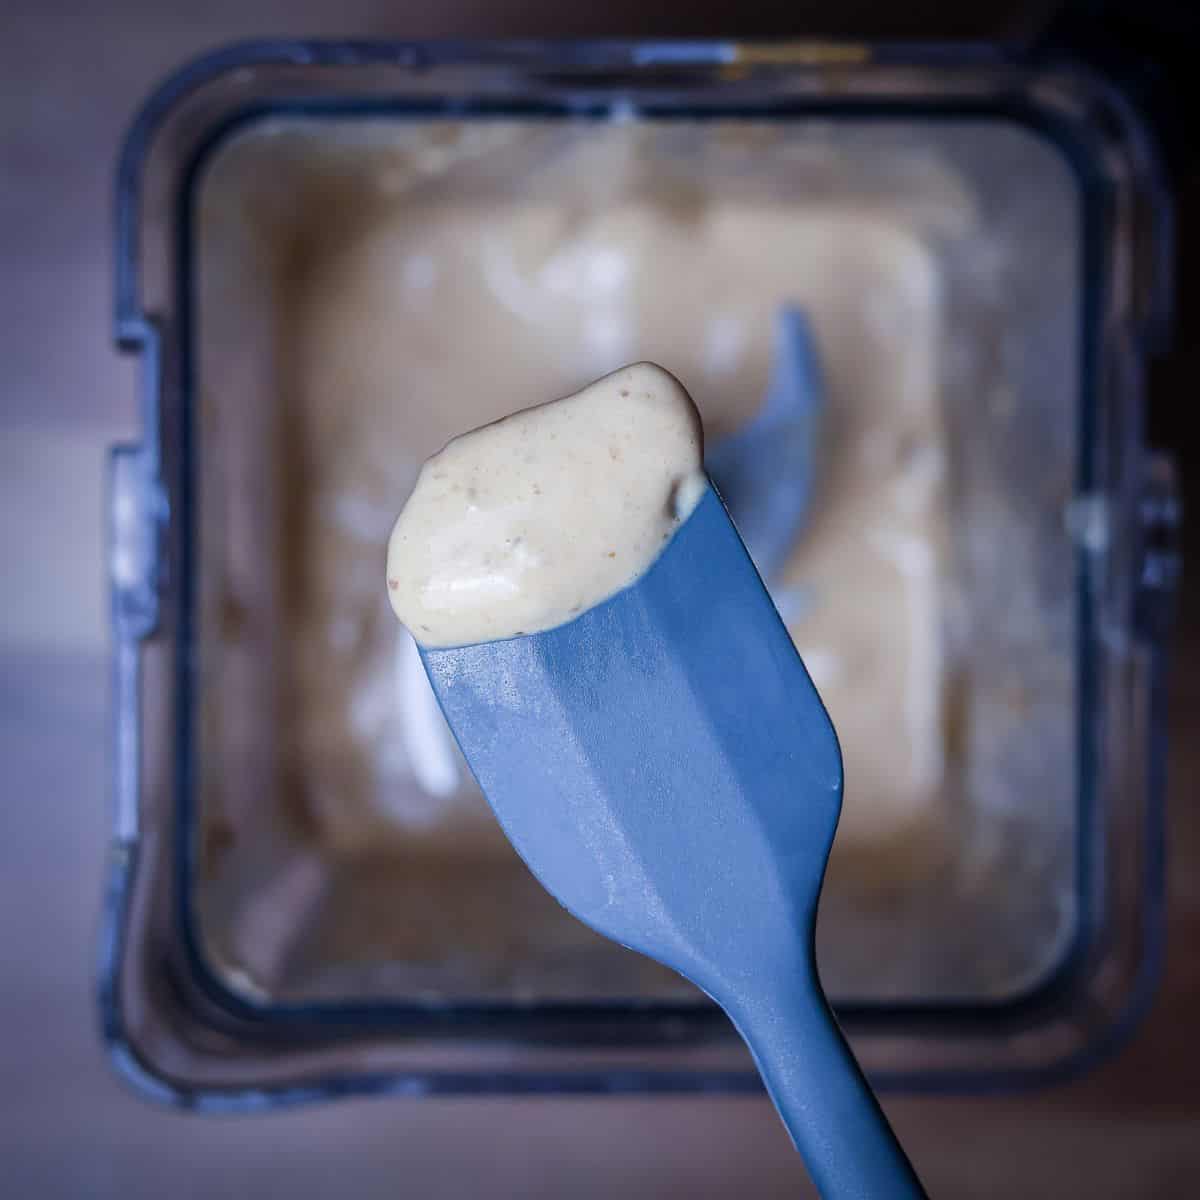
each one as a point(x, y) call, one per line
point(525, 523)
point(358, 280)
point(398, 304)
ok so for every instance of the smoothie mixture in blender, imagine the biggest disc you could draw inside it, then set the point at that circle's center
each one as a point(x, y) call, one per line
point(416, 280)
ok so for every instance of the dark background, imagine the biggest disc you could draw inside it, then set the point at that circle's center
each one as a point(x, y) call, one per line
point(70, 77)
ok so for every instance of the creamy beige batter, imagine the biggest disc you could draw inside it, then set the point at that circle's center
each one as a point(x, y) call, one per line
point(410, 271)
point(523, 524)
point(361, 280)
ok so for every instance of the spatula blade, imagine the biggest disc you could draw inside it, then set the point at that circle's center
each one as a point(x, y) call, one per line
point(663, 762)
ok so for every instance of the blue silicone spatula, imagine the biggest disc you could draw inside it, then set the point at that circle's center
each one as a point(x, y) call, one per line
point(665, 767)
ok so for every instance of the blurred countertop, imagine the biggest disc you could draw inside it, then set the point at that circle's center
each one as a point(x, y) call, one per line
point(70, 77)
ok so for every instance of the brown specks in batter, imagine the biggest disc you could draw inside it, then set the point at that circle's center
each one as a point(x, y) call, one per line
point(535, 518)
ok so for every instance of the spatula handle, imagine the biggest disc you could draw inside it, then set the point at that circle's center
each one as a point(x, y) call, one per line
point(828, 1107)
